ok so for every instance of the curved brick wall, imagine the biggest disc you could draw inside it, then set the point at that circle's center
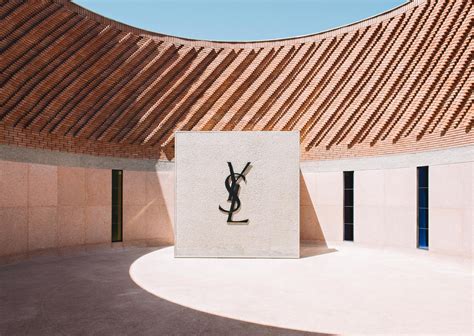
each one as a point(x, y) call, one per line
point(75, 81)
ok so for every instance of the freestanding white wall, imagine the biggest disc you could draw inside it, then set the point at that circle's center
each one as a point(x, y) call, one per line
point(269, 197)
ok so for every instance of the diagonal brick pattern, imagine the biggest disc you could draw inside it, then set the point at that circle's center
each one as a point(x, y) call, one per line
point(72, 80)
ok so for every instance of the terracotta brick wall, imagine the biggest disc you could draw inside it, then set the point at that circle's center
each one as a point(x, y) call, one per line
point(75, 81)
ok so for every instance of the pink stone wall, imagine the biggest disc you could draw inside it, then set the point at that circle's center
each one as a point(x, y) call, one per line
point(13, 208)
point(321, 206)
point(385, 212)
point(385, 207)
point(43, 208)
point(148, 199)
point(451, 208)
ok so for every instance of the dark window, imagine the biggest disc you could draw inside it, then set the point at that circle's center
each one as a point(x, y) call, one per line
point(349, 206)
point(117, 205)
point(422, 207)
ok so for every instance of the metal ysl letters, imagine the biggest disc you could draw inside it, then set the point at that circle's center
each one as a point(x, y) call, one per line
point(232, 186)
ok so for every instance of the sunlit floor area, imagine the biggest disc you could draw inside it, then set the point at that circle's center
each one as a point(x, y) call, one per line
point(341, 289)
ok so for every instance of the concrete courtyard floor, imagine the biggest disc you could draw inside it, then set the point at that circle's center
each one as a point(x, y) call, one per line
point(342, 289)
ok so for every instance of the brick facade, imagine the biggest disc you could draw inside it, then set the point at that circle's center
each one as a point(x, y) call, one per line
point(75, 81)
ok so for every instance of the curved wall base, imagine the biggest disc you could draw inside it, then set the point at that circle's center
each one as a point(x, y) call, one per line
point(54, 200)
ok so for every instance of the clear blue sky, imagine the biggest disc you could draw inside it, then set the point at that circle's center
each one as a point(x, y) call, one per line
point(237, 20)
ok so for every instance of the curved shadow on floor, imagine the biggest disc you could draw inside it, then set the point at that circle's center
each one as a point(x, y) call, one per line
point(92, 293)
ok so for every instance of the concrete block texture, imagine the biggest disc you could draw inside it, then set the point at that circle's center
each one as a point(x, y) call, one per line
point(385, 207)
point(451, 206)
point(148, 211)
point(71, 186)
point(98, 187)
point(42, 228)
point(13, 184)
point(321, 206)
point(44, 207)
point(98, 224)
point(13, 230)
point(71, 226)
point(42, 185)
point(269, 195)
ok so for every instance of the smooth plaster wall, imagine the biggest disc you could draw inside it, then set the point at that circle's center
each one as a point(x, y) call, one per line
point(269, 196)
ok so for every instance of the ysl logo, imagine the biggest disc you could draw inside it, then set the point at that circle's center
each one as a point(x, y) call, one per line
point(232, 186)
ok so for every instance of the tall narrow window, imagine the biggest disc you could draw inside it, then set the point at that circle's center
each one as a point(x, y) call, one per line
point(117, 205)
point(349, 206)
point(422, 207)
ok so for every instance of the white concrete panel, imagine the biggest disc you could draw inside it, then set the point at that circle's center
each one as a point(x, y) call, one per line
point(369, 188)
point(399, 228)
point(330, 220)
point(385, 207)
point(269, 197)
point(451, 209)
point(400, 187)
point(450, 186)
point(328, 188)
point(369, 225)
point(322, 205)
point(447, 230)
point(310, 227)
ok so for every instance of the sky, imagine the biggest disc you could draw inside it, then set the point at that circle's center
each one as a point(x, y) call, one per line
point(238, 20)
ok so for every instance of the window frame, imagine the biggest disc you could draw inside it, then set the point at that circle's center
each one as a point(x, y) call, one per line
point(117, 206)
point(422, 193)
point(348, 197)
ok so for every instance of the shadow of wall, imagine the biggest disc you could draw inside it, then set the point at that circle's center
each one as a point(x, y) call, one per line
point(310, 227)
point(49, 207)
point(148, 207)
